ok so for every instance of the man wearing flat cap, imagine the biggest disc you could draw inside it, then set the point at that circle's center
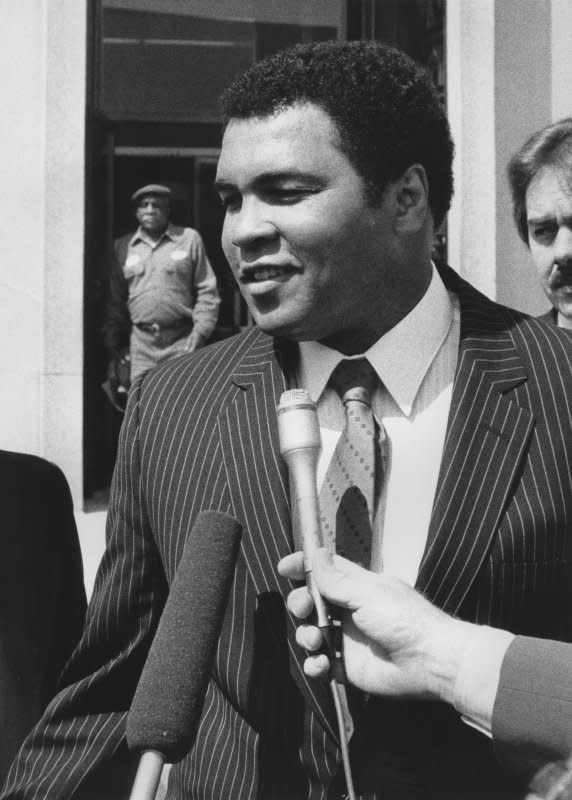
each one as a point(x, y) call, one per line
point(163, 298)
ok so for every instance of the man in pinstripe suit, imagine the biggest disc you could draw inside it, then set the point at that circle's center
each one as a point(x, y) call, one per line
point(335, 167)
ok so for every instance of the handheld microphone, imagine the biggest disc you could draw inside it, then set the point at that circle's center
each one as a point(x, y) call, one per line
point(300, 445)
point(167, 705)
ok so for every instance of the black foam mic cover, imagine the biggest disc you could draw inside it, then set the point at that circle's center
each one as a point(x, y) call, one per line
point(168, 702)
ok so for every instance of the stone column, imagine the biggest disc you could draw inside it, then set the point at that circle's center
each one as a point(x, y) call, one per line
point(502, 84)
point(42, 60)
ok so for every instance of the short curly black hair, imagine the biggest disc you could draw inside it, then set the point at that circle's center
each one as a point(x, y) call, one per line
point(550, 146)
point(385, 107)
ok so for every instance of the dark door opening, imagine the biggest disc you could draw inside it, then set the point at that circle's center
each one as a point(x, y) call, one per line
point(189, 173)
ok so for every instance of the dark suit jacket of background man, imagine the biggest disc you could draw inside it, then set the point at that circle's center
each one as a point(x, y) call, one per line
point(201, 433)
point(42, 596)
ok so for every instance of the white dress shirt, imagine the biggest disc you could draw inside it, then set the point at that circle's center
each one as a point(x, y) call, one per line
point(415, 362)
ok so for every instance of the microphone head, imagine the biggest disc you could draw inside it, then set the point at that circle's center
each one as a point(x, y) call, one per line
point(168, 702)
point(298, 427)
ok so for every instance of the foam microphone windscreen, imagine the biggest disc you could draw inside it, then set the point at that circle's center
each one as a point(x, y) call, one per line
point(168, 702)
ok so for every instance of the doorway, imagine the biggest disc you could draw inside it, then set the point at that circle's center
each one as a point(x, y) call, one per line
point(189, 173)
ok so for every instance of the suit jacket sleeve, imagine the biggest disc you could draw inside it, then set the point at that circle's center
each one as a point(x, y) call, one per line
point(42, 596)
point(78, 747)
point(532, 717)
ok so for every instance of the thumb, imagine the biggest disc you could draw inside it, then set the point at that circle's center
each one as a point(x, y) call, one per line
point(341, 581)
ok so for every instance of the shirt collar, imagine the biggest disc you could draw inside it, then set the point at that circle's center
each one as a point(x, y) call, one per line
point(141, 236)
point(401, 357)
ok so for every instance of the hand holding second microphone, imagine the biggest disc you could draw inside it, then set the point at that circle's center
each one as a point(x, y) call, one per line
point(396, 643)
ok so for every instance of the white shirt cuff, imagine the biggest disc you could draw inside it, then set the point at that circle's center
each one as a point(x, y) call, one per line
point(478, 676)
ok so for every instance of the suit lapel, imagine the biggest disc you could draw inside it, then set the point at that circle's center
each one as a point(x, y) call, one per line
point(487, 436)
point(258, 481)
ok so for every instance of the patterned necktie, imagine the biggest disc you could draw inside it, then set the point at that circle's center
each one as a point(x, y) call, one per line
point(347, 497)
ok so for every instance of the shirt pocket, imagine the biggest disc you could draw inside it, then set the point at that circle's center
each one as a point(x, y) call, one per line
point(179, 263)
point(134, 266)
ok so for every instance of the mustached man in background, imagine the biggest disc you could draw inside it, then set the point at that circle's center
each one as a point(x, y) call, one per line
point(540, 177)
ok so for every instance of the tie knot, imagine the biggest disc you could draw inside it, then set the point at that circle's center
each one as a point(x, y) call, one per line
point(354, 379)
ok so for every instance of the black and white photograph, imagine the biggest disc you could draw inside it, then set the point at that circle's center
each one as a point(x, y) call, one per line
point(286, 409)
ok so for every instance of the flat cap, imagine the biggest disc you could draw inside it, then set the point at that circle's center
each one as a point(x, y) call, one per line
point(151, 188)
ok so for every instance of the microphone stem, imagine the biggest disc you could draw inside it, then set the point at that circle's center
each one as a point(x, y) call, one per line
point(148, 776)
point(340, 703)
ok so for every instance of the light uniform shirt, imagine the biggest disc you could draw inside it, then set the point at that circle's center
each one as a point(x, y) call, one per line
point(171, 279)
point(415, 362)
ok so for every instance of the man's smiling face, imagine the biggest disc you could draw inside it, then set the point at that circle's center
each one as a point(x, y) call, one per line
point(305, 247)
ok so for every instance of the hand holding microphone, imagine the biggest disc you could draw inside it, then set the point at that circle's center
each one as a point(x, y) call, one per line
point(396, 643)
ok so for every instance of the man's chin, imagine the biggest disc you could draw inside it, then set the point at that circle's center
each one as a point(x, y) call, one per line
point(563, 305)
point(280, 327)
point(278, 331)
point(564, 316)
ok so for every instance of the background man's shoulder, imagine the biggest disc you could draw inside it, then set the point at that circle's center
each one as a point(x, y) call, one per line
point(30, 471)
point(185, 233)
point(123, 241)
point(121, 246)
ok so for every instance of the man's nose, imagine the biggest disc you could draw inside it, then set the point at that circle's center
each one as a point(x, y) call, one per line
point(251, 224)
point(563, 245)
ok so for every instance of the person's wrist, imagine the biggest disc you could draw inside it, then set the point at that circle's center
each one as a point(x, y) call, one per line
point(446, 648)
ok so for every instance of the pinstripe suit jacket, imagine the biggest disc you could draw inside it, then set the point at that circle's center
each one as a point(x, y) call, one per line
point(201, 433)
point(550, 316)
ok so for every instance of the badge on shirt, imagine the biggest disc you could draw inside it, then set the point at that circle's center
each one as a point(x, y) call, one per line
point(178, 255)
point(132, 260)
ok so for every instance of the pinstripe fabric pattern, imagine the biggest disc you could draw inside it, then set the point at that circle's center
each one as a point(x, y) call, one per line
point(200, 433)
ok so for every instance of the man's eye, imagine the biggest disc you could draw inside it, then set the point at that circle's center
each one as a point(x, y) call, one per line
point(286, 195)
point(230, 202)
point(544, 233)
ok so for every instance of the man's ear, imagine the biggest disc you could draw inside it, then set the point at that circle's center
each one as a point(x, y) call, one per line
point(412, 200)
